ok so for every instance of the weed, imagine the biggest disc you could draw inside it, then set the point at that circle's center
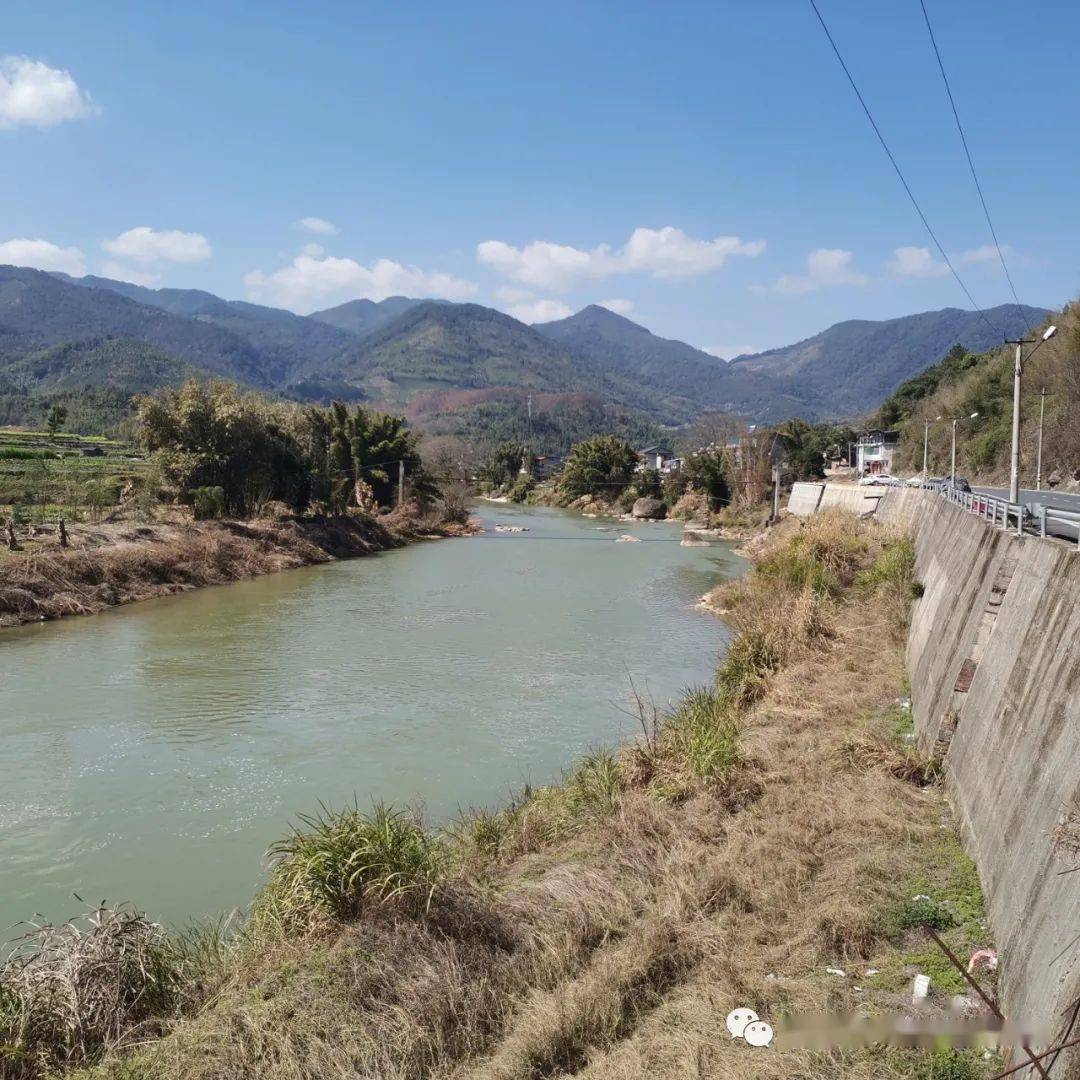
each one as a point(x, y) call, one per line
point(336, 864)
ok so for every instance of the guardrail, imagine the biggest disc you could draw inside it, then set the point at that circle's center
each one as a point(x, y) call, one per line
point(1067, 519)
point(1014, 516)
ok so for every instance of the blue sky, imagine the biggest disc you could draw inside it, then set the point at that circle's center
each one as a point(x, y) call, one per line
point(703, 167)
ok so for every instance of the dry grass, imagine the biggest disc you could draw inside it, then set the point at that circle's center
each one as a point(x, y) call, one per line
point(604, 928)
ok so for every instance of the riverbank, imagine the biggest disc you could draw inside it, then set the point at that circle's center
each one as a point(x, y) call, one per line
point(119, 563)
point(760, 846)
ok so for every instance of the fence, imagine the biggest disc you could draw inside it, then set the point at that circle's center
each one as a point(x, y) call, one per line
point(1009, 515)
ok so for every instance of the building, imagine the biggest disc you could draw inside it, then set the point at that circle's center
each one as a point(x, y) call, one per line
point(874, 452)
point(659, 458)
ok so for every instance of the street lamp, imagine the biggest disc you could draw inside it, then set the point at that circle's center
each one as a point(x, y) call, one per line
point(956, 420)
point(1018, 371)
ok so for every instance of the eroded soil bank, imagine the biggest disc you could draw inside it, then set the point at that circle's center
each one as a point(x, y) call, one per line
point(112, 564)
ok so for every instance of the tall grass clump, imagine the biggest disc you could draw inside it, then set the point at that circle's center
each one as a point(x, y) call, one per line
point(706, 735)
point(823, 556)
point(892, 575)
point(339, 863)
point(71, 993)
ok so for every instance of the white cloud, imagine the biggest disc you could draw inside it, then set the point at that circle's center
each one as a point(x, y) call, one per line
point(120, 272)
point(620, 307)
point(318, 225)
point(729, 352)
point(146, 245)
point(539, 311)
point(34, 94)
point(314, 250)
point(310, 282)
point(662, 253)
point(43, 255)
point(916, 262)
point(824, 266)
point(919, 262)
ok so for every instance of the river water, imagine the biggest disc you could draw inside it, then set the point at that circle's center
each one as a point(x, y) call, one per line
point(151, 753)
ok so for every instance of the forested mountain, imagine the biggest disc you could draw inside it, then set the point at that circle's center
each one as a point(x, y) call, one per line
point(389, 352)
point(851, 367)
point(284, 341)
point(449, 347)
point(40, 309)
point(363, 317)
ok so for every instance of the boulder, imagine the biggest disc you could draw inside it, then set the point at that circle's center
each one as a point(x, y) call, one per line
point(649, 508)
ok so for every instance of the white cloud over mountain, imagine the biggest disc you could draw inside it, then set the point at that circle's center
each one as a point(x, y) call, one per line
point(33, 94)
point(538, 311)
point(310, 282)
point(43, 255)
point(662, 253)
point(920, 261)
point(824, 267)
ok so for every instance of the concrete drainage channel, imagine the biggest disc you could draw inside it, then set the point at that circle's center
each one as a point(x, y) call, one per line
point(993, 655)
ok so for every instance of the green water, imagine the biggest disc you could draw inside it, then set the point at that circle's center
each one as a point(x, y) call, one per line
point(153, 752)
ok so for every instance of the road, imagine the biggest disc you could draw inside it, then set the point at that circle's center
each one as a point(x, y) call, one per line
point(1029, 497)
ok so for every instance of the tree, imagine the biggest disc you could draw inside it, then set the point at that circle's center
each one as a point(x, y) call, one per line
point(504, 465)
point(603, 465)
point(207, 435)
point(55, 420)
point(707, 471)
point(356, 457)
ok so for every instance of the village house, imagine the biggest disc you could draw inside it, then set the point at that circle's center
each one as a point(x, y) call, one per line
point(874, 452)
point(659, 458)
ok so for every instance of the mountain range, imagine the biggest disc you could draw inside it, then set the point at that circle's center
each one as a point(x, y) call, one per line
point(59, 332)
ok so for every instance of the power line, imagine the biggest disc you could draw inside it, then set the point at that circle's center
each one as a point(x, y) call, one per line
point(899, 172)
point(971, 163)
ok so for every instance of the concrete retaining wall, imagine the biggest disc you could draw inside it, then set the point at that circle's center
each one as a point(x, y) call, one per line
point(1004, 612)
point(807, 499)
point(994, 660)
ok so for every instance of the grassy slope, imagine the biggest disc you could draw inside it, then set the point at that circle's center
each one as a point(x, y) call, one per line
point(775, 825)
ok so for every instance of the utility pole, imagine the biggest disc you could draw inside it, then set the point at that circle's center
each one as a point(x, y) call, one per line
point(1018, 371)
point(400, 482)
point(1038, 466)
point(776, 493)
point(1014, 456)
point(925, 448)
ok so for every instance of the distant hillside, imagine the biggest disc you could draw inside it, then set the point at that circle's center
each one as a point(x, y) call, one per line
point(284, 341)
point(40, 309)
point(390, 351)
point(363, 317)
point(437, 346)
point(964, 382)
point(683, 377)
point(851, 367)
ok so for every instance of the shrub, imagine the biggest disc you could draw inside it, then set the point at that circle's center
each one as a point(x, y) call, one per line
point(207, 503)
point(603, 465)
point(72, 992)
point(339, 863)
point(522, 489)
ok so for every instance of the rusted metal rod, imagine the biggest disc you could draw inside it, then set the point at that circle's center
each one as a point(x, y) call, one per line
point(956, 962)
point(1036, 1058)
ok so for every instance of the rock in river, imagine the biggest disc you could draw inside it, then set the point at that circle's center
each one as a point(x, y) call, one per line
point(649, 508)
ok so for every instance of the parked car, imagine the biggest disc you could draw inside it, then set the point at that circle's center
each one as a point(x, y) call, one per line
point(935, 483)
point(959, 484)
point(914, 481)
point(876, 479)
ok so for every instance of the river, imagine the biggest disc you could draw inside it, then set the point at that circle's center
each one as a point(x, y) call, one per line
point(151, 753)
